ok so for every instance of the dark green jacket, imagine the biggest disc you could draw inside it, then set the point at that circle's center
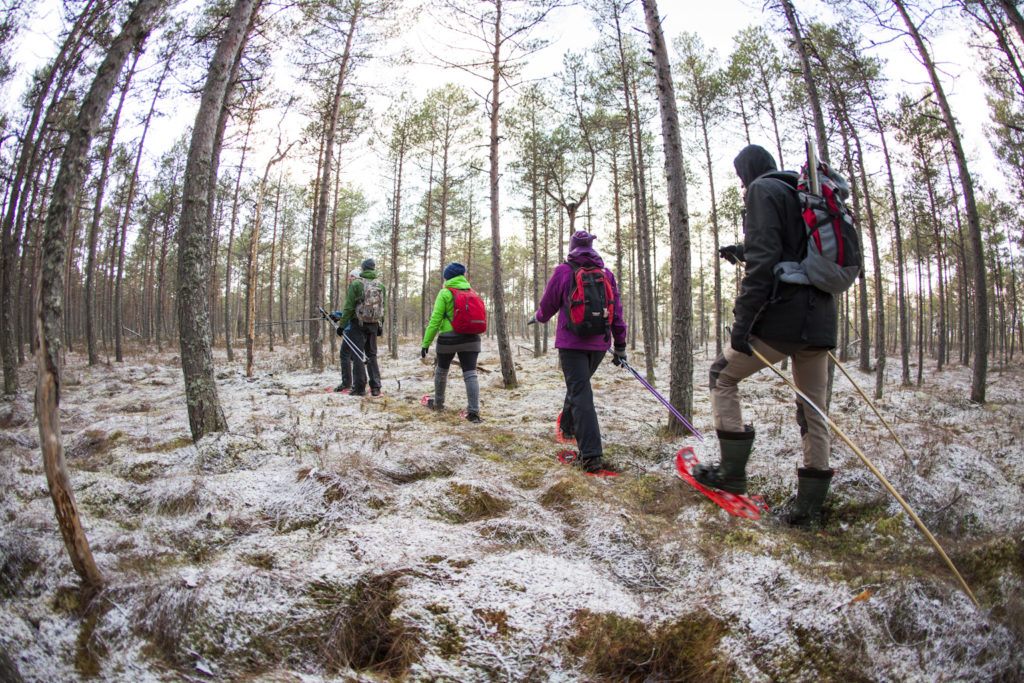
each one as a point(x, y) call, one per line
point(355, 295)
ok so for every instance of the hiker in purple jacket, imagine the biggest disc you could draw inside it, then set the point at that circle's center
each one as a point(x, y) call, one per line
point(581, 354)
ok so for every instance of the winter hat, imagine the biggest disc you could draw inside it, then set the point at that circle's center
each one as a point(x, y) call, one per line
point(580, 238)
point(355, 273)
point(454, 269)
point(369, 264)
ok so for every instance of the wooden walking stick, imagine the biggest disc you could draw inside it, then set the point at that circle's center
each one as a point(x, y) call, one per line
point(874, 470)
point(868, 400)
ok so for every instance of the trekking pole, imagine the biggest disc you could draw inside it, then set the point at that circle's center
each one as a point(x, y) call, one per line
point(352, 345)
point(686, 423)
point(337, 326)
point(868, 400)
point(289, 322)
point(874, 470)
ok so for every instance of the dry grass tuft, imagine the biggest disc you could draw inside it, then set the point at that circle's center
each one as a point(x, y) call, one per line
point(468, 503)
point(362, 634)
point(181, 501)
point(560, 495)
point(19, 558)
point(618, 648)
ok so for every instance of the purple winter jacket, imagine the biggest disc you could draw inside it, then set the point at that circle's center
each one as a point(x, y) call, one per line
point(557, 293)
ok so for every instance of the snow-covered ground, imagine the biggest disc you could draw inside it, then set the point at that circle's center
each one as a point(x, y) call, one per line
point(328, 537)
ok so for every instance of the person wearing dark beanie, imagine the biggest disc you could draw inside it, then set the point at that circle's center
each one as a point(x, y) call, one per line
point(454, 269)
point(585, 331)
point(450, 341)
point(364, 308)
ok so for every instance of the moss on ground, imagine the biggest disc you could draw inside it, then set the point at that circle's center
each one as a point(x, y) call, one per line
point(617, 648)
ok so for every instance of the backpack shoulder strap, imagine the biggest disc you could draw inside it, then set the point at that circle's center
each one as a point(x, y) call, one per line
point(790, 178)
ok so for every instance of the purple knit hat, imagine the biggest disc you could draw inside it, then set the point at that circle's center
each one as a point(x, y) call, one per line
point(580, 238)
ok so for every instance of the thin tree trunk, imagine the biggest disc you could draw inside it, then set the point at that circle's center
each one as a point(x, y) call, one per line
point(270, 271)
point(508, 368)
point(204, 409)
point(251, 119)
point(124, 227)
point(316, 271)
point(980, 368)
point(681, 382)
point(11, 352)
point(812, 88)
point(49, 301)
point(94, 226)
point(250, 338)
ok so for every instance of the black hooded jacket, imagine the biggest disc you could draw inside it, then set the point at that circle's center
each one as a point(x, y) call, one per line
point(773, 231)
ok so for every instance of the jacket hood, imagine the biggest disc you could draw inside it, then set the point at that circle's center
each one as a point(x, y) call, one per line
point(368, 275)
point(458, 282)
point(584, 256)
point(753, 161)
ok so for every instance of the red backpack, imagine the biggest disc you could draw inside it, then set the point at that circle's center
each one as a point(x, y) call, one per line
point(591, 303)
point(470, 315)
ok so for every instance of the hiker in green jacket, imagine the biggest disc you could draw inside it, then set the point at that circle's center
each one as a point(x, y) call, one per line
point(450, 343)
point(364, 308)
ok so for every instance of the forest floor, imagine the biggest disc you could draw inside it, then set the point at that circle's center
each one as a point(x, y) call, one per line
point(329, 537)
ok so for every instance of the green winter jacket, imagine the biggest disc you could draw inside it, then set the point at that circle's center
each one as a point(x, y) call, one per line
point(355, 295)
point(444, 310)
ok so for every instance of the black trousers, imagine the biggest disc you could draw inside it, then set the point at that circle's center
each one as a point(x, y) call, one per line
point(365, 337)
point(467, 359)
point(578, 409)
point(346, 360)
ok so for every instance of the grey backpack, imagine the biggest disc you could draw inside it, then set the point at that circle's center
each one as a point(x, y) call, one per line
point(832, 261)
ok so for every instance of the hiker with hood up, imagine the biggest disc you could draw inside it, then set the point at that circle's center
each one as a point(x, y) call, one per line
point(779, 319)
point(580, 354)
point(364, 308)
point(346, 345)
point(451, 343)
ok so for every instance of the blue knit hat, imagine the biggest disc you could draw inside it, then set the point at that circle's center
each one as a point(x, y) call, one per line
point(454, 269)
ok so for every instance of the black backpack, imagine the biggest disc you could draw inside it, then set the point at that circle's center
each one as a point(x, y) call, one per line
point(591, 303)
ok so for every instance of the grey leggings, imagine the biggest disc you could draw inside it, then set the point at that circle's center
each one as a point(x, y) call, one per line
point(467, 359)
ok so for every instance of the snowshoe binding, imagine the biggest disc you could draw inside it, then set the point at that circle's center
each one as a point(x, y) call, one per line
point(750, 507)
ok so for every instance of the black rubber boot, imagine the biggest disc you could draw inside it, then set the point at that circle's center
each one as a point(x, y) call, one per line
point(812, 487)
point(729, 475)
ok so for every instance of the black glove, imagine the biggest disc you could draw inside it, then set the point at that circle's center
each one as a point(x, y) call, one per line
point(423, 352)
point(618, 356)
point(733, 253)
point(739, 340)
point(531, 321)
point(340, 331)
point(333, 317)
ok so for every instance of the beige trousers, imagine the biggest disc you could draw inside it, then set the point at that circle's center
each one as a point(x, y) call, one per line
point(810, 375)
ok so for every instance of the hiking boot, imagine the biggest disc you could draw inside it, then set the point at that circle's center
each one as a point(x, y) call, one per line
point(431, 405)
point(353, 392)
point(591, 465)
point(342, 389)
point(729, 475)
point(375, 391)
point(804, 510)
point(473, 417)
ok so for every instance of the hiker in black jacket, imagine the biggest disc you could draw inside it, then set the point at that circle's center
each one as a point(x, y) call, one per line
point(778, 319)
